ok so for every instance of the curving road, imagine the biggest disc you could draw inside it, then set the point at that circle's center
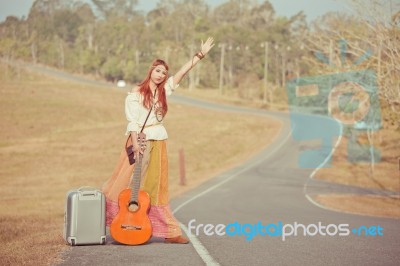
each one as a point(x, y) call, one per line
point(268, 194)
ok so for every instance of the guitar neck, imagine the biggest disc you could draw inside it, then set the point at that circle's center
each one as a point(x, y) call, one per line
point(137, 173)
point(136, 180)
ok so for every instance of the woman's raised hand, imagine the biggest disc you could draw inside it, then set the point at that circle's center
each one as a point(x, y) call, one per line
point(206, 47)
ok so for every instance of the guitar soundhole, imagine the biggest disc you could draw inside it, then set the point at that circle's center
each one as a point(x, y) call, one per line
point(133, 206)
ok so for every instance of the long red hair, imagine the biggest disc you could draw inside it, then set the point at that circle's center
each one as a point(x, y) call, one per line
point(144, 88)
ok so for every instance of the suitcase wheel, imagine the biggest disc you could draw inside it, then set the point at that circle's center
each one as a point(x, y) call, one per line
point(72, 242)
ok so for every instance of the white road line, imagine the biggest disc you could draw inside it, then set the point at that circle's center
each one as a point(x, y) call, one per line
point(319, 167)
point(198, 246)
point(200, 249)
point(319, 205)
point(232, 176)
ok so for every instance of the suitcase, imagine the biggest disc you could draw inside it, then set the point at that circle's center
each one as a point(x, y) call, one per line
point(84, 217)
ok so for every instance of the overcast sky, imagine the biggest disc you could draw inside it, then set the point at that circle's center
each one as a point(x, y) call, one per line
point(312, 8)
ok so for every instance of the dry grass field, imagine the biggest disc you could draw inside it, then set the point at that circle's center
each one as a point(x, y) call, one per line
point(57, 135)
point(384, 176)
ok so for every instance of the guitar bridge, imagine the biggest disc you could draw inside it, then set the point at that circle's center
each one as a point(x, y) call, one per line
point(130, 227)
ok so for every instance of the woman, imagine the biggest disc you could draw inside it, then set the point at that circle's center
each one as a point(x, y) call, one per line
point(149, 99)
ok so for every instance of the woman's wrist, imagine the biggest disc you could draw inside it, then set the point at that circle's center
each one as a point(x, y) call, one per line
point(200, 55)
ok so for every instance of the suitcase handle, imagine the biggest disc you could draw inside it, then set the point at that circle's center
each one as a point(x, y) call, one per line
point(87, 190)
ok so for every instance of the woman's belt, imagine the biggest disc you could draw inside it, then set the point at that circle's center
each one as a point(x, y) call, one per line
point(152, 125)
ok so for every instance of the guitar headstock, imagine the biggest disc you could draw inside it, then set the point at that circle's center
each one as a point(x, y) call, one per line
point(142, 140)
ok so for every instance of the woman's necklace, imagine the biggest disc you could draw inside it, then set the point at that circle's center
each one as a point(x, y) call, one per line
point(157, 108)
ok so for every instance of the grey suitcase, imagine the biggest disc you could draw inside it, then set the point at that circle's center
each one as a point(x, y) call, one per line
point(84, 217)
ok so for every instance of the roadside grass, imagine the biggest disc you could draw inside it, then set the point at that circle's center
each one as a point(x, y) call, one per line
point(370, 205)
point(58, 135)
point(385, 175)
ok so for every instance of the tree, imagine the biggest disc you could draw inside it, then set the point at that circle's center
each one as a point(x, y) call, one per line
point(261, 17)
point(117, 8)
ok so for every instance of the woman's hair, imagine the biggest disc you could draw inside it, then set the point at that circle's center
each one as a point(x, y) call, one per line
point(144, 88)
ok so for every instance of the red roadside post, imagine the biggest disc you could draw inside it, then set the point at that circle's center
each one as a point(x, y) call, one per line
point(182, 172)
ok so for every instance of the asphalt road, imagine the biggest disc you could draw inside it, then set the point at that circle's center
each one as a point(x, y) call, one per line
point(269, 190)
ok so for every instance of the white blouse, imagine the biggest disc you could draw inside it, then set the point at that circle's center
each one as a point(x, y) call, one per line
point(136, 114)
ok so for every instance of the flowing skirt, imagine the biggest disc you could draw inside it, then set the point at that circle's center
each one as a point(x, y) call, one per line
point(154, 181)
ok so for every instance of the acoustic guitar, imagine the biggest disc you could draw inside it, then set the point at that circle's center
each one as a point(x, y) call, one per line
point(132, 226)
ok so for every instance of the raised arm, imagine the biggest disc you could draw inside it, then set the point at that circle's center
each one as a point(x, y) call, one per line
point(205, 48)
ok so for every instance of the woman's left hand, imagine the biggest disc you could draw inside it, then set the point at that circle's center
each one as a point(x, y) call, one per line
point(206, 47)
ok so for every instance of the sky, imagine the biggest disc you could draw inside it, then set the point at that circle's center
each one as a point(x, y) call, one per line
point(312, 8)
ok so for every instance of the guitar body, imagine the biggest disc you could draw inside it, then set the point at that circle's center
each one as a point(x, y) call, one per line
point(132, 227)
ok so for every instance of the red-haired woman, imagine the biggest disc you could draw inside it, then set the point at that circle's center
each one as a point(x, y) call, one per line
point(151, 94)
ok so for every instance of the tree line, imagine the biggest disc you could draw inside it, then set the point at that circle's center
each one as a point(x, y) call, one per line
point(261, 50)
point(114, 40)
